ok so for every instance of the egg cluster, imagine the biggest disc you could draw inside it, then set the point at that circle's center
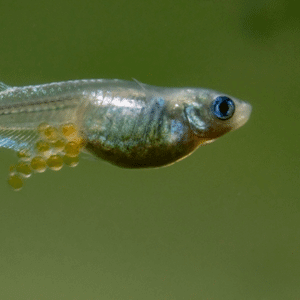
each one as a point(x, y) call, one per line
point(56, 147)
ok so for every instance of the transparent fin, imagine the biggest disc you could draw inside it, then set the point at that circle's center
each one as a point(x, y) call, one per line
point(18, 139)
point(29, 120)
point(4, 87)
point(142, 85)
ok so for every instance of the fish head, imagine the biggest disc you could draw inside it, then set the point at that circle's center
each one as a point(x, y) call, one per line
point(211, 114)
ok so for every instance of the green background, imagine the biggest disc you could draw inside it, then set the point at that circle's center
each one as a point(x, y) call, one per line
point(221, 224)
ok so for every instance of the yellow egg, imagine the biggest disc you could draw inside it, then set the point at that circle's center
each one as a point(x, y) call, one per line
point(42, 146)
point(24, 169)
point(58, 145)
point(71, 161)
point(72, 149)
point(15, 181)
point(12, 169)
point(51, 134)
point(55, 162)
point(38, 164)
point(24, 154)
point(68, 130)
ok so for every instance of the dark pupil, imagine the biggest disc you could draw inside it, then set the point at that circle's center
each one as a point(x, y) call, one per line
point(224, 107)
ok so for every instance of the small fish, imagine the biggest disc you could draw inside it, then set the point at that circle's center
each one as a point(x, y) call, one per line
point(127, 123)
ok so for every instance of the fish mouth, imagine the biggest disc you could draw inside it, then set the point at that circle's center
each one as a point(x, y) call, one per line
point(242, 114)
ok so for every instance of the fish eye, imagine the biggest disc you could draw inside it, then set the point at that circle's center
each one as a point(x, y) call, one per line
point(223, 108)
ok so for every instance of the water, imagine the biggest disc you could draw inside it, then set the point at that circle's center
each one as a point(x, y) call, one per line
point(221, 224)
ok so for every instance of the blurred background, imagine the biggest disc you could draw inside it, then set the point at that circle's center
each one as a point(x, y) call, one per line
point(221, 224)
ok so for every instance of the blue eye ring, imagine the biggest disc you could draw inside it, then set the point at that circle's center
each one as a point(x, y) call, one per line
point(223, 107)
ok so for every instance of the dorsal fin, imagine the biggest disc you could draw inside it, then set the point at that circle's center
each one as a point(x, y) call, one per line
point(142, 85)
point(4, 86)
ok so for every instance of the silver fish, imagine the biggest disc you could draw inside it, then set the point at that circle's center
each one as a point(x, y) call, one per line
point(127, 123)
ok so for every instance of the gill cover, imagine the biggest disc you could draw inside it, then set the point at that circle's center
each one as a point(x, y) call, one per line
point(194, 115)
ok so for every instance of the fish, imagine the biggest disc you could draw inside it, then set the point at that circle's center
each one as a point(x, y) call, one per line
point(126, 123)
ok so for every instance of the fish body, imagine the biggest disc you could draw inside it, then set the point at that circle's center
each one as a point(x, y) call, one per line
point(126, 123)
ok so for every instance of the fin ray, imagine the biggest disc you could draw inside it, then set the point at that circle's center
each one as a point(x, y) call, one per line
point(4, 86)
point(18, 139)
